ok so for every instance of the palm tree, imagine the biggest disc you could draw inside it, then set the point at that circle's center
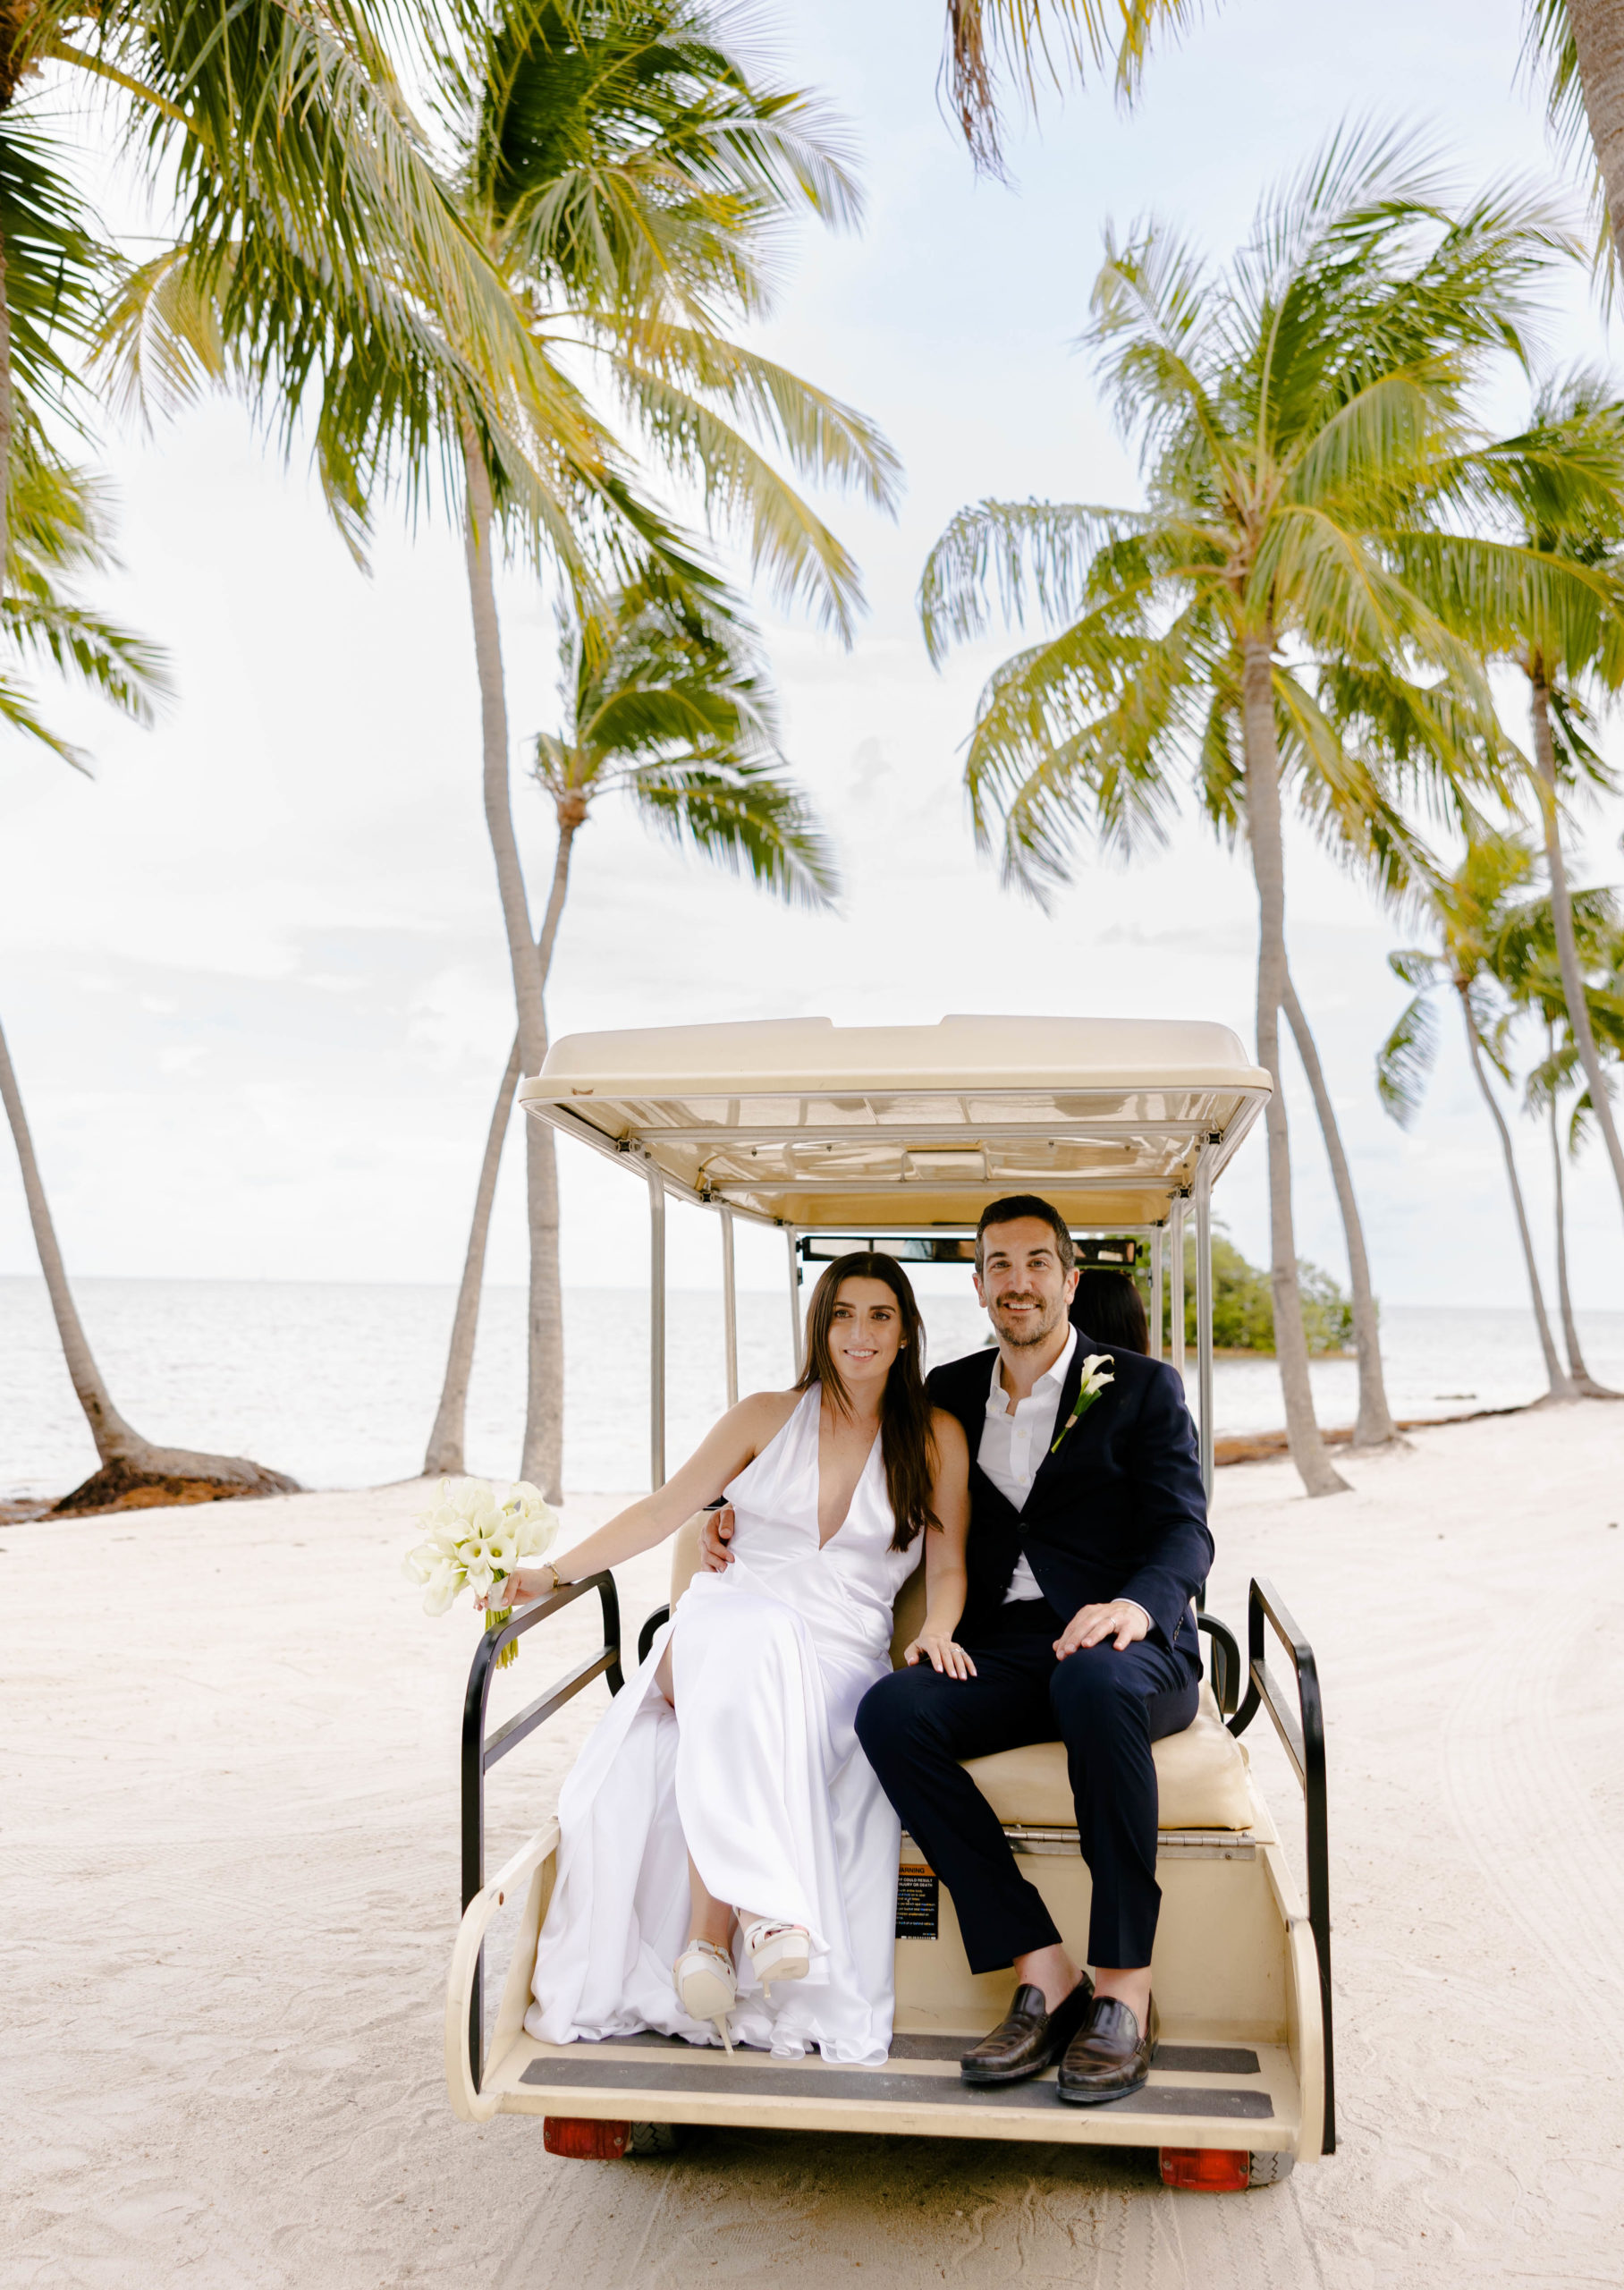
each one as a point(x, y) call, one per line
point(57, 530)
point(1560, 483)
point(1294, 416)
point(1374, 1426)
point(275, 133)
point(665, 703)
point(1577, 46)
point(1034, 41)
point(1528, 967)
point(620, 174)
point(1471, 911)
point(622, 171)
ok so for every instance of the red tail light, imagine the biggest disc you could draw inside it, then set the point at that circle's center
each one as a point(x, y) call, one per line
point(1207, 2170)
point(587, 2141)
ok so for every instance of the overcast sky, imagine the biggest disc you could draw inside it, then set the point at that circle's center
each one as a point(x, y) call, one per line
point(253, 975)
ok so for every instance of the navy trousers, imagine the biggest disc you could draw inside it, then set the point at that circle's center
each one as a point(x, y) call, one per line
point(1106, 1706)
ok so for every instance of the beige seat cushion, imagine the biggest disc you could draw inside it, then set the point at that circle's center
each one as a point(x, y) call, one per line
point(1201, 1779)
point(1201, 1773)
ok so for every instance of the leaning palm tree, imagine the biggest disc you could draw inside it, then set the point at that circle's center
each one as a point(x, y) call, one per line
point(1294, 416)
point(1471, 911)
point(58, 530)
point(666, 704)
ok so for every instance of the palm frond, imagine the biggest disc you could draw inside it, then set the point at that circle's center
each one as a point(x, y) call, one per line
point(746, 820)
point(1404, 1063)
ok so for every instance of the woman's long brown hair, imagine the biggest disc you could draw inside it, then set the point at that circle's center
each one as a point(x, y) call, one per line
point(906, 1446)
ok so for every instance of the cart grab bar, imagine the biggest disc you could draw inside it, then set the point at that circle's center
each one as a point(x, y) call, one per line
point(1303, 1738)
point(479, 1754)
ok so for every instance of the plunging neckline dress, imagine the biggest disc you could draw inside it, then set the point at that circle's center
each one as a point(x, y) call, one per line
point(757, 1772)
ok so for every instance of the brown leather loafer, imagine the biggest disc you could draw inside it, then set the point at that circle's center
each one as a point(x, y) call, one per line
point(1108, 2057)
point(1031, 2039)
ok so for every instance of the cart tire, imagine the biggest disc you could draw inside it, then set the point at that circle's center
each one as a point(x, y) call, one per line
point(1268, 2170)
point(658, 2138)
point(583, 2138)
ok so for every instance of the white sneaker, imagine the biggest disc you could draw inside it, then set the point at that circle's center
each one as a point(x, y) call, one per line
point(707, 1988)
point(777, 1951)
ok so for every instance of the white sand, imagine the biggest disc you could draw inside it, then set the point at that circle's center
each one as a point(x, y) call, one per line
point(230, 1884)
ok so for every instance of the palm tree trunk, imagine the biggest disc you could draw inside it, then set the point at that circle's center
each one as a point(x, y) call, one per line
point(445, 1452)
point(1268, 866)
point(446, 1441)
point(1561, 1388)
point(114, 1438)
point(127, 1460)
point(1584, 1383)
point(7, 414)
point(1598, 36)
point(1374, 1426)
point(542, 1457)
point(1561, 915)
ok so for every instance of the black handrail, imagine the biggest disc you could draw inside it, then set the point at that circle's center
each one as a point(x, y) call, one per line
point(1303, 1738)
point(479, 1754)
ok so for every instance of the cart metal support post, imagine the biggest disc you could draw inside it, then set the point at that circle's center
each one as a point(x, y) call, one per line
point(729, 1308)
point(657, 1327)
point(796, 1340)
point(1158, 1251)
point(478, 1754)
point(1175, 1241)
point(1303, 1738)
point(1204, 1308)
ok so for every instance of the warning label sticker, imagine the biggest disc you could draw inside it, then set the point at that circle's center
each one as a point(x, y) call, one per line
point(919, 1895)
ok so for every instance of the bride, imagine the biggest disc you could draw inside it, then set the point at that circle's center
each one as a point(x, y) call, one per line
point(727, 1860)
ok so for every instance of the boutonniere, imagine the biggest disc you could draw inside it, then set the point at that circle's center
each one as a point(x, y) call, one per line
point(1087, 1392)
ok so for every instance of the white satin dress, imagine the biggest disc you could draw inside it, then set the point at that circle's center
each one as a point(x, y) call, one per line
point(757, 1772)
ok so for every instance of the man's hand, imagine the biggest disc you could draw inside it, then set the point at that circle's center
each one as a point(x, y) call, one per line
point(715, 1533)
point(1122, 1621)
point(943, 1652)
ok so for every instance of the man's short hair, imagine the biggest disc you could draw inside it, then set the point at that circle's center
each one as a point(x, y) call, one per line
point(1015, 1205)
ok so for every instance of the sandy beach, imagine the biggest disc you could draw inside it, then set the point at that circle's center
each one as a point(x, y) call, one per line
point(230, 1888)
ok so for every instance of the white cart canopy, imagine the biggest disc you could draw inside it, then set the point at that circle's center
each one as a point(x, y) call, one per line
point(800, 1122)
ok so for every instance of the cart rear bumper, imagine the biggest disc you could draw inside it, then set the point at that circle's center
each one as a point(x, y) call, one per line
point(1214, 2094)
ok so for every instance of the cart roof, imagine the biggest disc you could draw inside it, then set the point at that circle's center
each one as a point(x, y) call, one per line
point(875, 1128)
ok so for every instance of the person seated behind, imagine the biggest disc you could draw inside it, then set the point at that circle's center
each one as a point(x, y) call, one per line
point(1108, 1307)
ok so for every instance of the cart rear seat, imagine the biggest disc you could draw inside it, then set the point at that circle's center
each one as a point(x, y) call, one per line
point(1201, 1773)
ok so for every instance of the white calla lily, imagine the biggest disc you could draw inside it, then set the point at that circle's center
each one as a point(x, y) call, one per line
point(475, 1534)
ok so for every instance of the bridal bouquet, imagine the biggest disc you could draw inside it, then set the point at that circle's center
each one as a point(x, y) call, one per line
point(476, 1534)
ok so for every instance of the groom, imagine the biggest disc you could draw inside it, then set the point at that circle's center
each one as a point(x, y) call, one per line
point(1087, 1541)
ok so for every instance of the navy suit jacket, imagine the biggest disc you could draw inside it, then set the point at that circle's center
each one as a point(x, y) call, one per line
point(1117, 1511)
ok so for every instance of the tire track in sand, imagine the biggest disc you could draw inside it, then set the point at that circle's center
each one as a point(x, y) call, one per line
point(1526, 1818)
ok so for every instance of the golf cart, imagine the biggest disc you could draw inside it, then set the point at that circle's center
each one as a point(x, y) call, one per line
point(896, 1138)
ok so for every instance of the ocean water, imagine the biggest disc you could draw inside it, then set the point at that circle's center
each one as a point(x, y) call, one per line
point(337, 1384)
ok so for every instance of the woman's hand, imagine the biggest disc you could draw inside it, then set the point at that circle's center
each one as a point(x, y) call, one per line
point(942, 1651)
point(517, 1589)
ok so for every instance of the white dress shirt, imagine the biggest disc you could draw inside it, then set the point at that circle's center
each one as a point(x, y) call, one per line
point(1014, 1441)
